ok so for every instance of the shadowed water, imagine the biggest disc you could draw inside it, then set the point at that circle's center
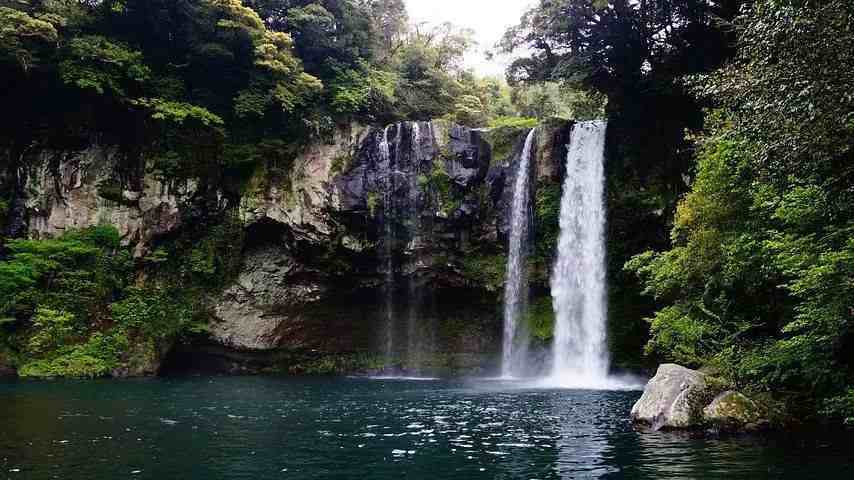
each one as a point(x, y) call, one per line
point(259, 428)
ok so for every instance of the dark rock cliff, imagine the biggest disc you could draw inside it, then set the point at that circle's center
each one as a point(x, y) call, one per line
point(369, 230)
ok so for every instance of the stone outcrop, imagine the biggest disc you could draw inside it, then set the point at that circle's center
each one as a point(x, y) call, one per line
point(732, 410)
point(266, 295)
point(78, 190)
point(306, 197)
point(672, 399)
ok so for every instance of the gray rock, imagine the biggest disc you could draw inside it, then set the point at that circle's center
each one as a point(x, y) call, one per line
point(66, 191)
point(672, 399)
point(253, 313)
point(469, 157)
point(732, 410)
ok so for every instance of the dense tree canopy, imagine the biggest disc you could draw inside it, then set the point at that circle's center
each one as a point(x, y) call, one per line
point(759, 278)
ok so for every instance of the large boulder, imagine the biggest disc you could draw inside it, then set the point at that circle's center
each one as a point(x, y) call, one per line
point(732, 410)
point(673, 399)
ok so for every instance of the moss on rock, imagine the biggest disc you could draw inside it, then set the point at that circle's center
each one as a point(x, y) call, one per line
point(732, 409)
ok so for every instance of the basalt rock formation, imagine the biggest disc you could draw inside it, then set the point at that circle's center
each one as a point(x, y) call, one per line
point(418, 209)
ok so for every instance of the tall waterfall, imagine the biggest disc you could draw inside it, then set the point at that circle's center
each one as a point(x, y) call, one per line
point(578, 282)
point(516, 285)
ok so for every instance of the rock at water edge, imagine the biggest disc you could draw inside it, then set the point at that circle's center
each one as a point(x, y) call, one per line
point(672, 399)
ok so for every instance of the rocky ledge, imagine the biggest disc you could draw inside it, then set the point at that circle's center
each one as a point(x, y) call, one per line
point(678, 398)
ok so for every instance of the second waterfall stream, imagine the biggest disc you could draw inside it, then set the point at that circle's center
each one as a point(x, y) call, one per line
point(578, 284)
point(516, 286)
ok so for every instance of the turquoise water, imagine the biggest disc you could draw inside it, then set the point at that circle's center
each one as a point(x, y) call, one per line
point(259, 428)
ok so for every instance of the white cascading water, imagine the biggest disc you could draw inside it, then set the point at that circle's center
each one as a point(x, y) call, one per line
point(516, 288)
point(580, 357)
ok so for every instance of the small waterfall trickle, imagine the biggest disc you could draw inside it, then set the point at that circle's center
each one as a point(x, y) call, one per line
point(387, 240)
point(516, 285)
point(580, 357)
point(419, 341)
point(403, 152)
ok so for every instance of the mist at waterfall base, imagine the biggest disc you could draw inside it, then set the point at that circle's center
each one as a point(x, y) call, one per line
point(579, 356)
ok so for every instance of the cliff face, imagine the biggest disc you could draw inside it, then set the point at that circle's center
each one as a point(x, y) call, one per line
point(64, 191)
point(377, 240)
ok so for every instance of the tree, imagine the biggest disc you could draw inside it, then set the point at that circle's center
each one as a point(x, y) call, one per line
point(760, 276)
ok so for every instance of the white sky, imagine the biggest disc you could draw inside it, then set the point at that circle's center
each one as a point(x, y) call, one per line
point(488, 18)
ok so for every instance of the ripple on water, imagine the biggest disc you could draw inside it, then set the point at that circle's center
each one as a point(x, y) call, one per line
point(359, 428)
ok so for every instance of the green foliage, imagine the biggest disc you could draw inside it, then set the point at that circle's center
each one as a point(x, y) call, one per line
point(841, 407)
point(96, 63)
point(364, 90)
point(514, 123)
point(24, 38)
point(155, 313)
point(470, 110)
point(52, 328)
point(505, 135)
point(485, 271)
point(555, 100)
point(759, 279)
point(540, 318)
point(74, 273)
point(547, 220)
point(789, 86)
point(71, 311)
point(95, 358)
point(442, 187)
point(179, 113)
point(201, 259)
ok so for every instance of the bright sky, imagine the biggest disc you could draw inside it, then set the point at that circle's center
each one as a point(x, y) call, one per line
point(488, 18)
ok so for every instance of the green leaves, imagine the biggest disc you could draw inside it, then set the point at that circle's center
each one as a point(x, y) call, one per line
point(760, 278)
point(179, 113)
point(789, 88)
point(365, 90)
point(53, 328)
point(153, 312)
point(96, 63)
point(23, 37)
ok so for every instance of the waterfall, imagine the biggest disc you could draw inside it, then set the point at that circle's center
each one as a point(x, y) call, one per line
point(417, 344)
point(387, 254)
point(400, 164)
point(580, 358)
point(516, 285)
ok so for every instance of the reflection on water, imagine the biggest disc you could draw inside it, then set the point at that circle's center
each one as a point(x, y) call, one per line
point(258, 428)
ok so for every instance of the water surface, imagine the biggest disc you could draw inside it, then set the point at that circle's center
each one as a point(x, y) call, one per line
point(260, 428)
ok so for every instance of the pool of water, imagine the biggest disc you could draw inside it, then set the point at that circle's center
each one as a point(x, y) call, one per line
point(262, 427)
